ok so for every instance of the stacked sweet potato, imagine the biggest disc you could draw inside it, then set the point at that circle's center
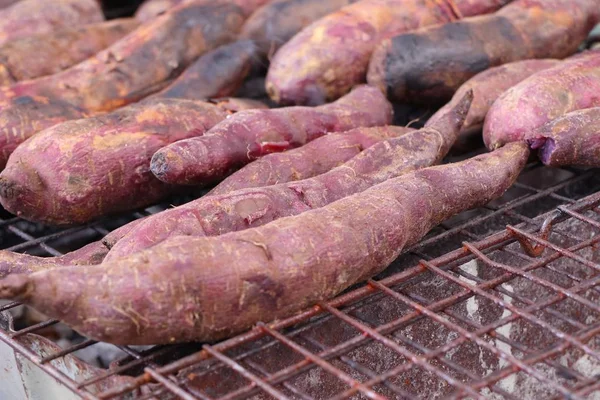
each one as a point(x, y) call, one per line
point(314, 197)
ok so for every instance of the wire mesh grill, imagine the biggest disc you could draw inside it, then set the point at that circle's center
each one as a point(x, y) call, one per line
point(500, 302)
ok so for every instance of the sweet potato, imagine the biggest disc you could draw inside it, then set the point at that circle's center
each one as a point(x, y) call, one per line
point(153, 8)
point(430, 64)
point(57, 50)
point(487, 86)
point(205, 289)
point(91, 254)
point(79, 170)
point(6, 3)
point(218, 73)
point(278, 21)
point(242, 209)
point(328, 57)
point(144, 61)
point(30, 17)
point(573, 139)
point(315, 158)
point(571, 85)
point(252, 134)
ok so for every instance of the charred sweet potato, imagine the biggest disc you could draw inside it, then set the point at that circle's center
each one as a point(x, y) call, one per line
point(252, 134)
point(153, 8)
point(218, 73)
point(58, 50)
point(30, 17)
point(312, 159)
point(144, 61)
point(571, 85)
point(79, 170)
point(242, 209)
point(429, 65)
point(573, 139)
point(324, 60)
point(278, 21)
point(220, 286)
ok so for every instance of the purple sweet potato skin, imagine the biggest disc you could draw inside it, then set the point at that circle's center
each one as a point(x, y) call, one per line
point(246, 208)
point(58, 50)
point(153, 8)
point(30, 17)
point(252, 134)
point(223, 285)
point(312, 159)
point(218, 73)
point(79, 170)
point(573, 139)
point(571, 85)
point(429, 65)
point(487, 86)
point(327, 58)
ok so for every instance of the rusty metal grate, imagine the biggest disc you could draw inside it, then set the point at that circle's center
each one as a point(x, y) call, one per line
point(498, 302)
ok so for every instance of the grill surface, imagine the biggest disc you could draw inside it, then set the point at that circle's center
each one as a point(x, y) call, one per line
point(498, 302)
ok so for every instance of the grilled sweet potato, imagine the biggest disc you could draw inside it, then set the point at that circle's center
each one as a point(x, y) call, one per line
point(573, 139)
point(252, 134)
point(218, 73)
point(205, 289)
point(315, 158)
point(164, 46)
point(487, 86)
point(79, 170)
point(153, 8)
point(429, 65)
point(30, 17)
point(328, 57)
point(241, 209)
point(571, 85)
point(278, 21)
point(57, 50)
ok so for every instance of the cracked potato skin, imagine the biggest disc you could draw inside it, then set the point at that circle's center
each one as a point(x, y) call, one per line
point(429, 65)
point(269, 272)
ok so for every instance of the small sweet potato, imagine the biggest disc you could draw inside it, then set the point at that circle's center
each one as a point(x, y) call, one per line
point(153, 8)
point(278, 21)
point(487, 86)
point(242, 209)
point(218, 73)
point(430, 64)
point(573, 139)
point(58, 50)
point(328, 57)
point(79, 170)
point(252, 134)
point(312, 159)
point(144, 61)
point(30, 17)
point(571, 85)
point(205, 289)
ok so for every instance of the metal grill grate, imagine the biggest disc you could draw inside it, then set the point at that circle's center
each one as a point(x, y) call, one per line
point(465, 313)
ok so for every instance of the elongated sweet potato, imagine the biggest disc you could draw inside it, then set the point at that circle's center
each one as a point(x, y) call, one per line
point(573, 139)
point(252, 134)
point(218, 73)
point(223, 285)
point(487, 86)
point(429, 65)
point(91, 254)
point(80, 170)
point(572, 85)
point(153, 8)
point(315, 158)
point(30, 17)
point(164, 46)
point(57, 50)
point(328, 57)
point(242, 209)
point(278, 21)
